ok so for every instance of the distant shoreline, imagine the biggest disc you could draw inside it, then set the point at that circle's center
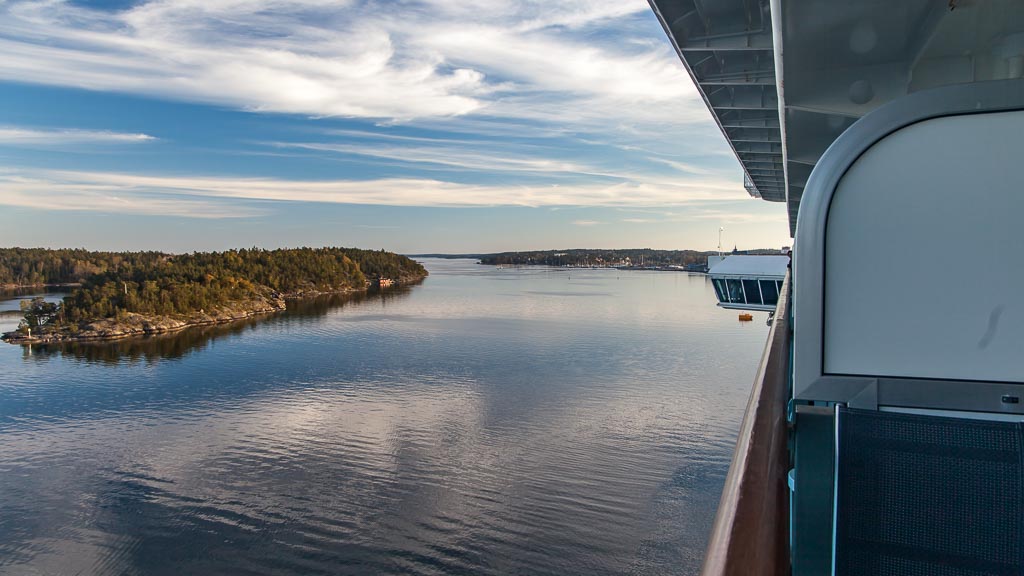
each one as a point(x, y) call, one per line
point(27, 286)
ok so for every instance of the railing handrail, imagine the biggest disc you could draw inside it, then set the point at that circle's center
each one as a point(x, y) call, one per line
point(751, 530)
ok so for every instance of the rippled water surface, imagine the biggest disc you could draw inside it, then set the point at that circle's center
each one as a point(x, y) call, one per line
point(531, 421)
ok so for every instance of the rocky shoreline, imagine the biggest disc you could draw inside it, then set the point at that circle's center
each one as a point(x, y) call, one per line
point(132, 324)
point(135, 325)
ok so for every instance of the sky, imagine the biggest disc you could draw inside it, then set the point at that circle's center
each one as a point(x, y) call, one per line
point(411, 125)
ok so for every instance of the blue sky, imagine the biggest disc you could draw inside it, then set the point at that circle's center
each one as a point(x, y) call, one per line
point(410, 125)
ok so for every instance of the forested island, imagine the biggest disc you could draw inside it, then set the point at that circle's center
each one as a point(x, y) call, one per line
point(120, 294)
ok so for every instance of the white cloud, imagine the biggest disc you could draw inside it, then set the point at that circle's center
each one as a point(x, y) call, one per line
point(268, 55)
point(449, 156)
point(359, 58)
point(499, 81)
point(35, 137)
point(529, 15)
point(681, 166)
point(135, 193)
point(731, 211)
point(586, 222)
point(48, 195)
point(759, 214)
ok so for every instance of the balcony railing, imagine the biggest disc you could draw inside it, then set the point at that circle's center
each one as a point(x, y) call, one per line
point(751, 531)
point(750, 186)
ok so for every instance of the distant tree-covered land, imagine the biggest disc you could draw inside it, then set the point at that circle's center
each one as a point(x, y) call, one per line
point(114, 284)
point(597, 257)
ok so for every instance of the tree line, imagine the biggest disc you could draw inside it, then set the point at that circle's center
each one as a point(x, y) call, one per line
point(36, 266)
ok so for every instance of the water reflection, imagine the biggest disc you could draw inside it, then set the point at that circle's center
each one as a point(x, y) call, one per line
point(487, 422)
point(140, 349)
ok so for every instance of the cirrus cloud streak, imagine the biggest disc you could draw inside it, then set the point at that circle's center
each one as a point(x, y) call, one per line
point(43, 137)
point(153, 194)
point(357, 58)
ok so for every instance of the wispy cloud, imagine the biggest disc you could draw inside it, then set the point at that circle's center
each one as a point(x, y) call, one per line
point(136, 193)
point(444, 154)
point(681, 166)
point(315, 58)
point(95, 196)
point(733, 211)
point(356, 58)
point(46, 137)
point(741, 216)
point(464, 103)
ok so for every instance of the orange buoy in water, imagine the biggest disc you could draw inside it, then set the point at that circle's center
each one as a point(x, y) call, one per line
point(746, 317)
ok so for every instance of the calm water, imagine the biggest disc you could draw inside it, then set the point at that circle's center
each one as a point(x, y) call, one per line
point(10, 304)
point(530, 421)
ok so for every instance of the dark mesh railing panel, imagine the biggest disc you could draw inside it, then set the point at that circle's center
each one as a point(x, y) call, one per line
point(923, 495)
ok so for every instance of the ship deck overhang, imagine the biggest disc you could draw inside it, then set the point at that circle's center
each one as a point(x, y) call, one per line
point(783, 79)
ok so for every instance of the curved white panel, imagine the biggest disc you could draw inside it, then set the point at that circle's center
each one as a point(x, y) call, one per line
point(924, 254)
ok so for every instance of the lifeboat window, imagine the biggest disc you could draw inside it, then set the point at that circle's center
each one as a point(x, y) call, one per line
point(752, 291)
point(735, 291)
point(720, 289)
point(769, 292)
point(778, 283)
